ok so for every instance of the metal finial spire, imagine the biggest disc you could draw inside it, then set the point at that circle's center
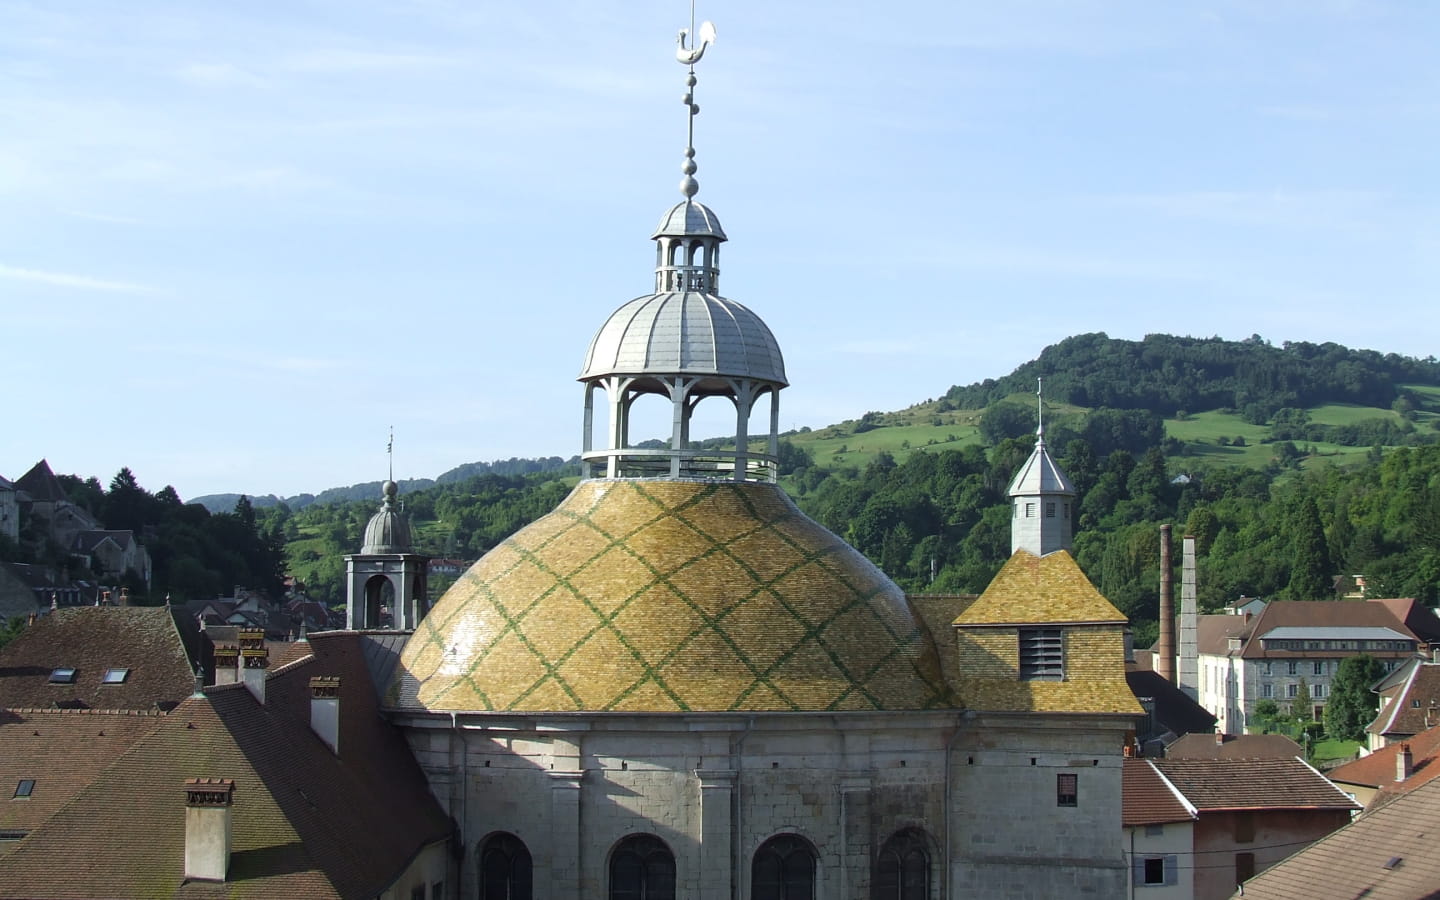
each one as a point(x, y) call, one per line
point(688, 57)
point(1040, 409)
point(390, 452)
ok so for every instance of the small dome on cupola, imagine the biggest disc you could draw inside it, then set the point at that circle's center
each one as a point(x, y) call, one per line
point(689, 217)
point(388, 531)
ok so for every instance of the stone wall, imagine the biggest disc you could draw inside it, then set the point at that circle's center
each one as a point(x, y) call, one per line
point(715, 788)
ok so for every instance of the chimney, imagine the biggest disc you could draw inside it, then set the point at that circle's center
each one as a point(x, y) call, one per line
point(254, 660)
point(1404, 763)
point(227, 664)
point(207, 827)
point(1219, 738)
point(124, 596)
point(325, 710)
point(1189, 664)
point(1165, 653)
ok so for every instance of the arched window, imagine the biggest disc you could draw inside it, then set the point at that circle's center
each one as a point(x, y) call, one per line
point(642, 868)
point(902, 871)
point(504, 868)
point(783, 869)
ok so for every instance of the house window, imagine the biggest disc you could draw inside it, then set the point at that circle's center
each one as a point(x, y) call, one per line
point(417, 892)
point(1266, 668)
point(1029, 510)
point(1154, 870)
point(1292, 667)
point(902, 872)
point(1067, 789)
point(1319, 667)
point(1267, 690)
point(1244, 867)
point(1067, 509)
point(505, 869)
point(1042, 654)
point(115, 676)
point(1154, 830)
point(1050, 510)
point(62, 675)
point(24, 789)
point(437, 890)
point(1317, 691)
point(783, 869)
point(1290, 690)
point(642, 868)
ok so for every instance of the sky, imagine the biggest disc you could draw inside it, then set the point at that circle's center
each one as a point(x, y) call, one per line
point(241, 241)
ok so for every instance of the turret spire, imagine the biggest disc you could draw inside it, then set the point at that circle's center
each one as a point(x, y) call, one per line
point(1040, 409)
point(688, 57)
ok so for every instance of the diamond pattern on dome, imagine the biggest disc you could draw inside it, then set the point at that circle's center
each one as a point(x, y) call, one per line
point(664, 596)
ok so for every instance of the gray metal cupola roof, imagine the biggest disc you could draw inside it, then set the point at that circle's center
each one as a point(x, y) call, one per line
point(1041, 494)
point(689, 218)
point(1041, 475)
point(684, 341)
point(388, 530)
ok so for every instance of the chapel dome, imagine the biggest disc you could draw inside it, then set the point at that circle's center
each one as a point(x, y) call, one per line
point(689, 218)
point(685, 333)
point(388, 531)
point(670, 596)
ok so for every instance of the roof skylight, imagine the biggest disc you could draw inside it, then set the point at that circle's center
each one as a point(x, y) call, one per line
point(115, 676)
point(62, 675)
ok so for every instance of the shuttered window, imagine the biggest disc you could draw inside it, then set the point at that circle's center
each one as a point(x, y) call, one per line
point(1042, 654)
point(1154, 871)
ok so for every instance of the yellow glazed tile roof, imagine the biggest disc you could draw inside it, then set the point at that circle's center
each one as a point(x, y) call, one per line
point(1047, 589)
point(668, 596)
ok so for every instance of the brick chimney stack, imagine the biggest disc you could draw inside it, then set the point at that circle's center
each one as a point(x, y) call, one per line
point(254, 660)
point(325, 710)
point(207, 827)
point(1404, 763)
point(1165, 652)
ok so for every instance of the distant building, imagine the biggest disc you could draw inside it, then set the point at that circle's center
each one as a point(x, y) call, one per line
point(1393, 769)
point(1244, 659)
point(1409, 703)
point(9, 511)
point(1386, 854)
point(1196, 828)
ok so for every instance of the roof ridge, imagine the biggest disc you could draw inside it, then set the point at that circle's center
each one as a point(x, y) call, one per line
point(1184, 801)
point(70, 711)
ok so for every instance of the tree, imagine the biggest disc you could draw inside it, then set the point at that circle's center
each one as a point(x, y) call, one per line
point(1352, 703)
point(1310, 557)
point(1300, 705)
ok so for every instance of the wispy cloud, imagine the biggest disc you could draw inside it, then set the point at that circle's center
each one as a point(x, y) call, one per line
point(103, 217)
point(877, 347)
point(336, 60)
point(220, 75)
point(68, 280)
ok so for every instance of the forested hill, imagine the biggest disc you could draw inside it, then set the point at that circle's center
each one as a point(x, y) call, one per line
point(1165, 374)
point(370, 490)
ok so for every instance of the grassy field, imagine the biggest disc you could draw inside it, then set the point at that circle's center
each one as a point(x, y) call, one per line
point(1327, 750)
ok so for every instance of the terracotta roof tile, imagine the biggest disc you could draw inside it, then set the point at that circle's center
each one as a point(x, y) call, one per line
point(1213, 633)
point(158, 646)
point(1319, 614)
point(1149, 798)
point(1415, 706)
point(1378, 769)
point(306, 822)
point(1236, 746)
point(62, 752)
point(1385, 854)
point(1252, 784)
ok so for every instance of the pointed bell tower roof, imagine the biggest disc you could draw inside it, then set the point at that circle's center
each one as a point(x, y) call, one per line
point(1041, 495)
